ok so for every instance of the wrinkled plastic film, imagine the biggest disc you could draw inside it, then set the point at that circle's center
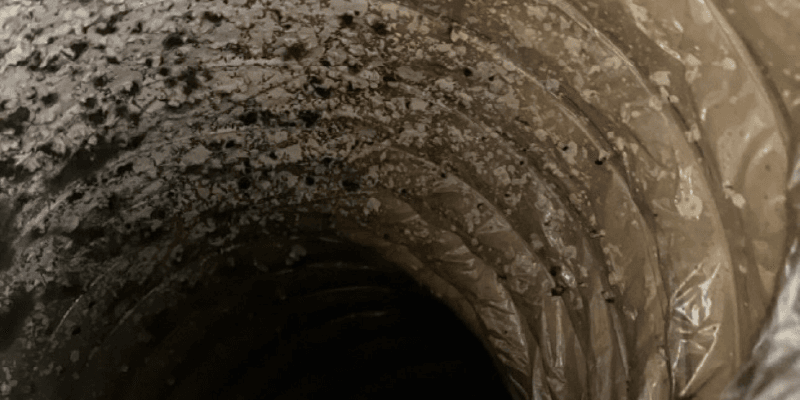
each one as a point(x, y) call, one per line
point(597, 189)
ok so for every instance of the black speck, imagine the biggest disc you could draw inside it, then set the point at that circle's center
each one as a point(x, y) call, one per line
point(75, 196)
point(113, 201)
point(90, 103)
point(249, 118)
point(315, 80)
point(138, 28)
point(346, 20)
point(323, 92)
point(296, 51)
point(134, 90)
point(565, 148)
point(158, 214)
point(112, 60)
point(244, 183)
point(100, 81)
point(110, 25)
point(354, 69)
point(272, 155)
point(51, 65)
point(189, 77)
point(598, 162)
point(32, 61)
point(148, 62)
point(326, 160)
point(121, 111)
point(557, 291)
point(50, 40)
point(350, 186)
point(172, 41)
point(215, 19)
point(47, 148)
point(13, 321)
point(491, 78)
point(50, 99)
point(125, 168)
point(230, 144)
point(171, 82)
point(380, 28)
point(325, 63)
point(97, 117)
point(522, 121)
point(268, 117)
point(15, 120)
point(309, 180)
point(309, 117)
point(135, 118)
point(77, 49)
point(389, 78)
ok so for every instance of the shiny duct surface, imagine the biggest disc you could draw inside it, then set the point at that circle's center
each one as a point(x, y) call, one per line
point(596, 190)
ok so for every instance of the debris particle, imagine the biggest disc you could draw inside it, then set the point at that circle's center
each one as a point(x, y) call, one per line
point(660, 78)
point(197, 155)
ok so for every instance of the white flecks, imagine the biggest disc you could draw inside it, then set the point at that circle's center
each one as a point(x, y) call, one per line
point(737, 199)
point(458, 34)
point(540, 134)
point(569, 152)
point(197, 155)
point(660, 78)
point(689, 205)
point(691, 61)
point(567, 278)
point(728, 64)
point(540, 12)
point(602, 155)
point(638, 12)
point(502, 175)
point(742, 268)
point(418, 104)
point(342, 6)
point(612, 62)
point(445, 84)
point(655, 103)
point(693, 135)
point(572, 45)
point(295, 254)
point(551, 85)
point(588, 95)
point(373, 205)
point(293, 153)
point(692, 67)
